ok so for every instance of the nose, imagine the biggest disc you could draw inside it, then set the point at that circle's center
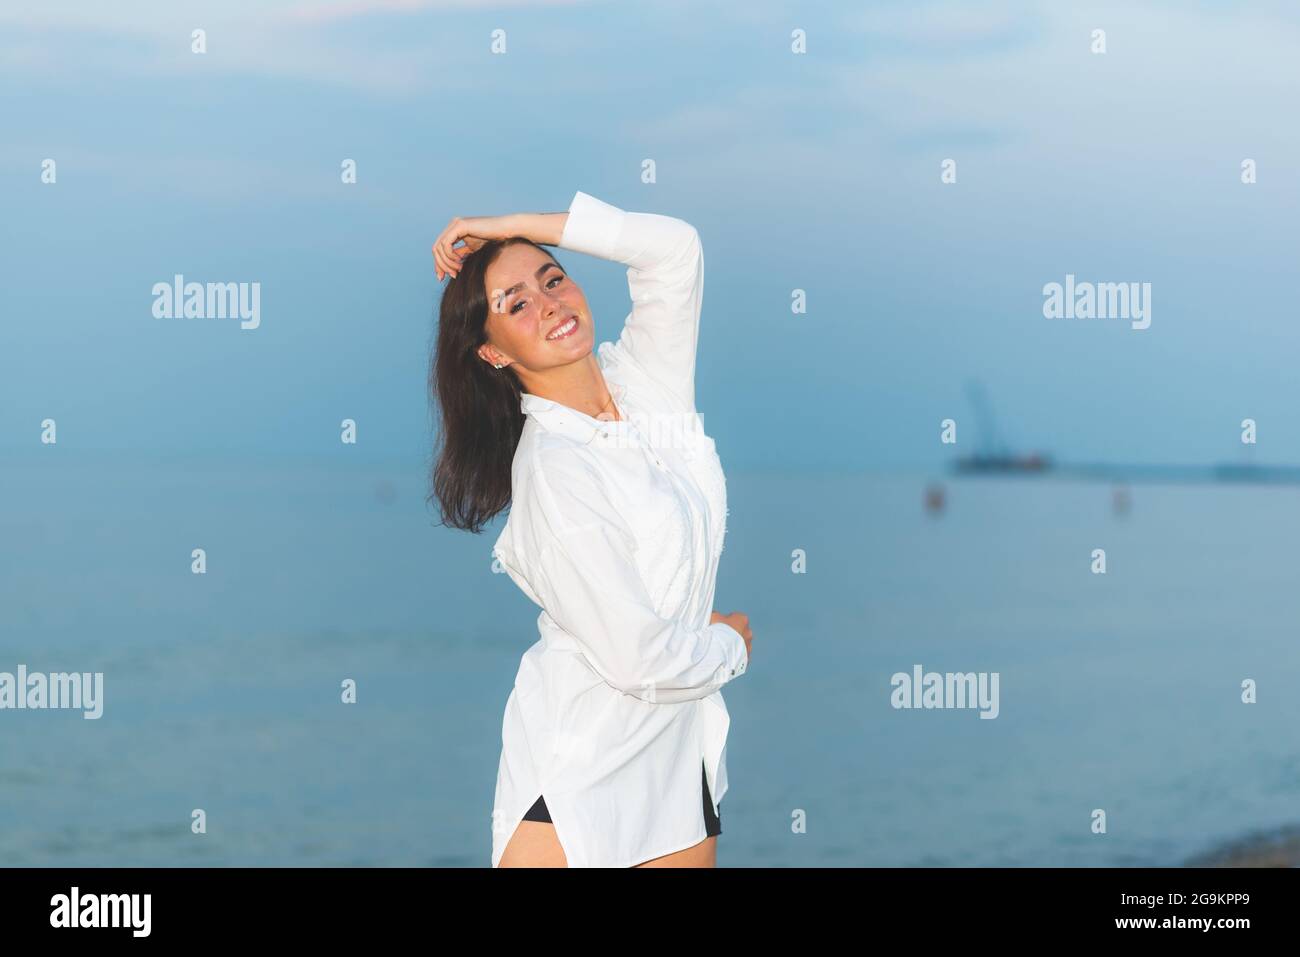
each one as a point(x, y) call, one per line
point(550, 303)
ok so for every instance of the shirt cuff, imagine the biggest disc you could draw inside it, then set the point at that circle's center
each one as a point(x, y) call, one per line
point(593, 226)
point(733, 643)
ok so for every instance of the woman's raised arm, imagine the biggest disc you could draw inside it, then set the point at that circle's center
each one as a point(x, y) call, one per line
point(474, 231)
point(665, 275)
point(665, 278)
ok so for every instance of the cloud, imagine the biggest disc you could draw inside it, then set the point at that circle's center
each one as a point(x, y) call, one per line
point(946, 30)
point(351, 9)
point(59, 42)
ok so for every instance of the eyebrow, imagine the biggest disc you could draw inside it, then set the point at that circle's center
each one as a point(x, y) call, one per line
point(517, 286)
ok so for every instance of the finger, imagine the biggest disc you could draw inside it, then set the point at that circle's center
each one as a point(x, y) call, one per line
point(450, 236)
point(451, 264)
point(442, 245)
point(450, 257)
point(444, 259)
point(439, 263)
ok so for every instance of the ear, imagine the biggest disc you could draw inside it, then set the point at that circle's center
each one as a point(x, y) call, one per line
point(491, 356)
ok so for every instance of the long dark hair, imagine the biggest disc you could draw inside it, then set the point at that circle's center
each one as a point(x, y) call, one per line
point(478, 405)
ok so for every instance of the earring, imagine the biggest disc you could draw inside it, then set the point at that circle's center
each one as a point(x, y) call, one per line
point(497, 365)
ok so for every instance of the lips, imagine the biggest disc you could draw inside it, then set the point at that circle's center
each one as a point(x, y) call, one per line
point(563, 329)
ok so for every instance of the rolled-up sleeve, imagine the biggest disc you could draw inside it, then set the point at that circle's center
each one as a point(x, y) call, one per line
point(665, 279)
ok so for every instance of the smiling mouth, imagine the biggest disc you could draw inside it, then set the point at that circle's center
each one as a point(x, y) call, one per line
point(566, 328)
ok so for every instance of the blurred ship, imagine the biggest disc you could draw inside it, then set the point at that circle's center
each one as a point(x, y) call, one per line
point(982, 463)
point(993, 456)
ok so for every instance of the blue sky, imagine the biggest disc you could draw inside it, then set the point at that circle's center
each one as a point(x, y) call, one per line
point(818, 171)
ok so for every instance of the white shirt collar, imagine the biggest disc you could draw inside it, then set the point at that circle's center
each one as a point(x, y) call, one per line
point(555, 417)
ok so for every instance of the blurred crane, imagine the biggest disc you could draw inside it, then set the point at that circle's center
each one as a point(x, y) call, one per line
point(992, 454)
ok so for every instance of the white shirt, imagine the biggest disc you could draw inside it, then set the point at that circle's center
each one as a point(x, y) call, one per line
point(615, 531)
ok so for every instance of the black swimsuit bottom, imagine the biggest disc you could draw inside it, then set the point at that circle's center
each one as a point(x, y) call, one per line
point(712, 823)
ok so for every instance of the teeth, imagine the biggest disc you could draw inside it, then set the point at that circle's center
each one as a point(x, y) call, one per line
point(563, 329)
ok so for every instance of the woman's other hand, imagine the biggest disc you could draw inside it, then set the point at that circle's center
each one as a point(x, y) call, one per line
point(740, 622)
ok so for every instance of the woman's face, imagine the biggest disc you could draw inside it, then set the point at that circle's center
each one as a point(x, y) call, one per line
point(530, 299)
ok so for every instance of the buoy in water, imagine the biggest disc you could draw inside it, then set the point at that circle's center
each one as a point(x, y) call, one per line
point(935, 499)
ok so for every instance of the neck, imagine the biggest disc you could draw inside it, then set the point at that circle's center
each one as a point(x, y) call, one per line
point(578, 385)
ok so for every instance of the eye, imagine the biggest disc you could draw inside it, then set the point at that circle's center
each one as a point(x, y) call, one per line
point(520, 302)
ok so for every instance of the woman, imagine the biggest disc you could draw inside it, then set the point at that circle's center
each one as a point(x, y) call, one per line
point(613, 739)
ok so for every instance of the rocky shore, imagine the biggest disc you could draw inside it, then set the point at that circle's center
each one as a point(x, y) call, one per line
point(1274, 848)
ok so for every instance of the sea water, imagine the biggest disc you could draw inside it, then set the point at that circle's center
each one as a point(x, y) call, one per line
point(225, 738)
